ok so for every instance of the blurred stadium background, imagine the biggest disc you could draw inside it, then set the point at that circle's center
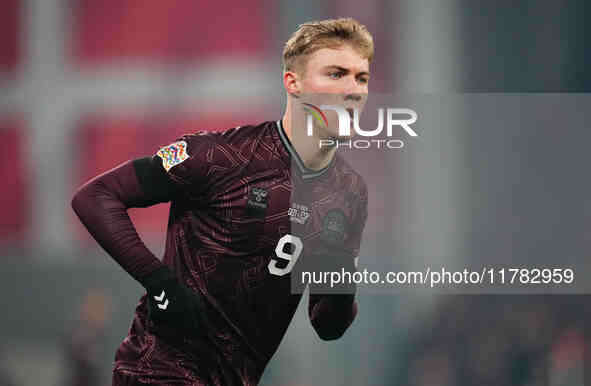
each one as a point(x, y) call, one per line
point(85, 85)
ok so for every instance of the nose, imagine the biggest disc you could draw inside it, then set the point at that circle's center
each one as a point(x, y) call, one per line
point(353, 86)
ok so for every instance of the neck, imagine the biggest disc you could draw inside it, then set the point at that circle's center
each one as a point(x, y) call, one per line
point(312, 155)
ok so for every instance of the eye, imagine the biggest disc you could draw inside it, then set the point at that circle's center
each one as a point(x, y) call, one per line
point(336, 75)
point(363, 80)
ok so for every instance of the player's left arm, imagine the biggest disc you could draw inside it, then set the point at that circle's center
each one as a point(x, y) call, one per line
point(333, 309)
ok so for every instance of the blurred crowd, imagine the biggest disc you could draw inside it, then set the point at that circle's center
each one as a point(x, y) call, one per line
point(500, 340)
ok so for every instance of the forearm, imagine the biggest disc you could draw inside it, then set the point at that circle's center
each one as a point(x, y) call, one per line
point(102, 203)
point(331, 307)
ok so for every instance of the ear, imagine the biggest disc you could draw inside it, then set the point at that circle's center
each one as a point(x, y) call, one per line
point(291, 82)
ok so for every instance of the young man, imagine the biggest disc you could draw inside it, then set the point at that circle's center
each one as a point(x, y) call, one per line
point(246, 204)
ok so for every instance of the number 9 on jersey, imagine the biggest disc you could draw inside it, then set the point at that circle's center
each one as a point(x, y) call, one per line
point(282, 255)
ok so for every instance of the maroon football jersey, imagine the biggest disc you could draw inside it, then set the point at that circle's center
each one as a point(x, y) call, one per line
point(246, 215)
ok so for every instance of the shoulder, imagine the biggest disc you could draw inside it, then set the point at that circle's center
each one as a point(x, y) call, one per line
point(209, 153)
point(245, 133)
point(233, 136)
point(234, 142)
point(203, 144)
point(226, 136)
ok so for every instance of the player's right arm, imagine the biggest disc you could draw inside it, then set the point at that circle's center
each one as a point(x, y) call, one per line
point(102, 204)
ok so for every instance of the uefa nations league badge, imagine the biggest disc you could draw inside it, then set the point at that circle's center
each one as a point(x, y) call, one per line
point(334, 226)
point(256, 205)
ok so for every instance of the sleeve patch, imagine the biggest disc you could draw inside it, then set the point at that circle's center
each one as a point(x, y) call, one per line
point(173, 154)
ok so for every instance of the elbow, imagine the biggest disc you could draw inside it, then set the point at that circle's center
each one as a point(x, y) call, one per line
point(82, 197)
point(85, 198)
point(77, 201)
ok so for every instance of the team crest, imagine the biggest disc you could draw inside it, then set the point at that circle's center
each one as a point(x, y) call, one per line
point(334, 226)
point(173, 154)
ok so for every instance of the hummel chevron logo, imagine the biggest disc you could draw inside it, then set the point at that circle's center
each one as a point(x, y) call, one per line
point(164, 305)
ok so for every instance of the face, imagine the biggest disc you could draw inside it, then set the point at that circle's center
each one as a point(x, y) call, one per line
point(336, 71)
point(335, 76)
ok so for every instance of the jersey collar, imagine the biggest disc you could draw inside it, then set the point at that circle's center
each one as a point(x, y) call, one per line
point(305, 172)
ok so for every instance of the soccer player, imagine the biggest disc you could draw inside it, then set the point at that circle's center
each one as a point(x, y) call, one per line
point(250, 206)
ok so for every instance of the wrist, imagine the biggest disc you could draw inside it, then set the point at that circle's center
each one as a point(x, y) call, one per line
point(154, 279)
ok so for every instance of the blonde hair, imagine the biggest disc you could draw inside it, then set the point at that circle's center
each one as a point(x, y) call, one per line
point(331, 33)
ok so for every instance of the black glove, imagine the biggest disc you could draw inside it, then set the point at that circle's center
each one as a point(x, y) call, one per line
point(173, 307)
